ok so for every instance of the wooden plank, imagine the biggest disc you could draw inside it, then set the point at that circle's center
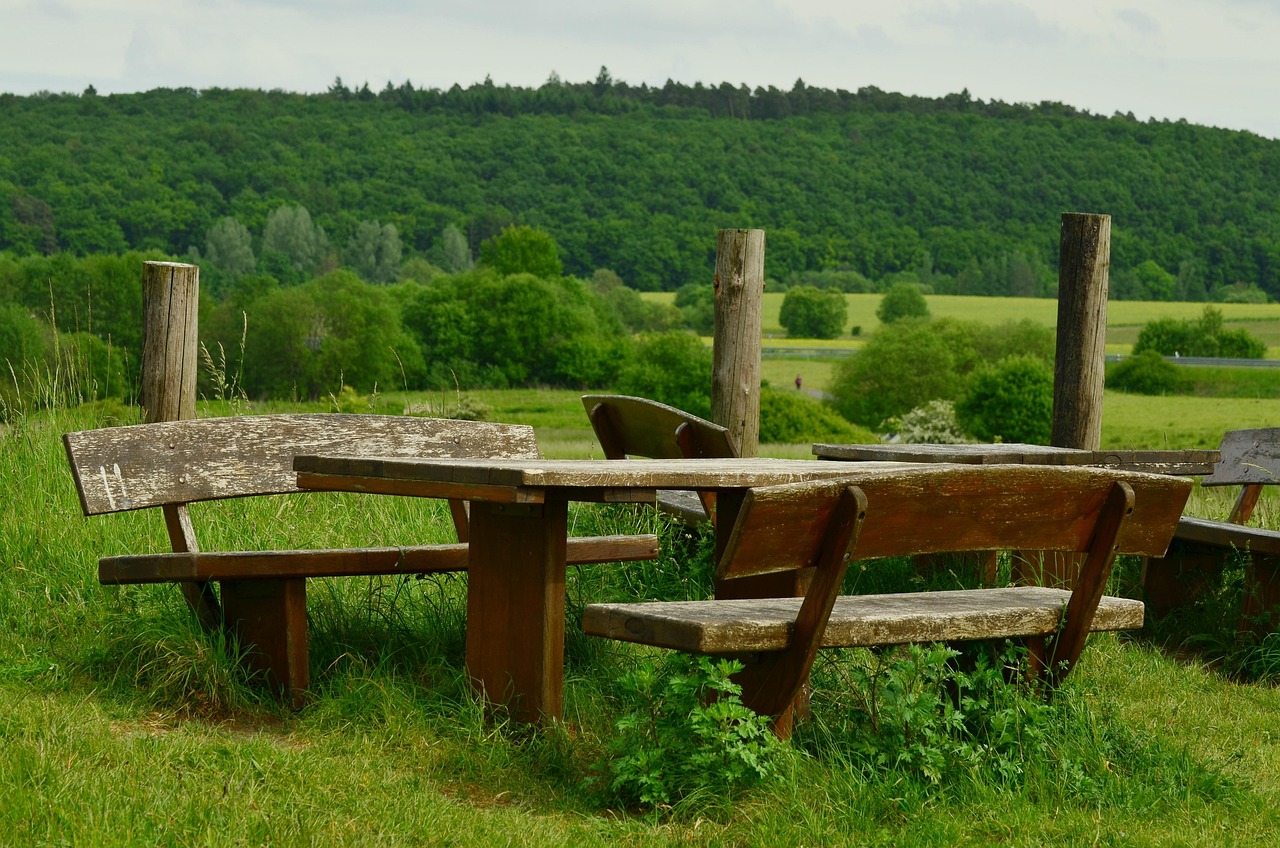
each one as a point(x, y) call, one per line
point(721, 626)
point(688, 474)
point(928, 509)
point(1231, 537)
point(1177, 462)
point(1248, 456)
point(346, 562)
point(144, 465)
point(637, 427)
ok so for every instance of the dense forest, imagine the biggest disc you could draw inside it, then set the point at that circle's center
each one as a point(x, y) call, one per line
point(854, 188)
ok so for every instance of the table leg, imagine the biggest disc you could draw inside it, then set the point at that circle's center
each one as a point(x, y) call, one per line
point(515, 606)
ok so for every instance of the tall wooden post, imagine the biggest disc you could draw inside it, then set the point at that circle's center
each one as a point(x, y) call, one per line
point(1085, 263)
point(1084, 254)
point(170, 323)
point(735, 375)
point(170, 346)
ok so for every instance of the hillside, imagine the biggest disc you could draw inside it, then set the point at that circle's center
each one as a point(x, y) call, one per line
point(639, 179)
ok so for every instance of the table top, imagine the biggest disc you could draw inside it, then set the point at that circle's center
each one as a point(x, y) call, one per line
point(483, 476)
point(1180, 462)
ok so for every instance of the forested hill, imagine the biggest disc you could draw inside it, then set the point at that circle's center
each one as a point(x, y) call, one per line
point(638, 179)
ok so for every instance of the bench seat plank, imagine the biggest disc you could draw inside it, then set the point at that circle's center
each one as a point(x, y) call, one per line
point(727, 626)
point(346, 562)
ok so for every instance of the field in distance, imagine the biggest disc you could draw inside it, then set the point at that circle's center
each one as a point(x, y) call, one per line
point(1124, 317)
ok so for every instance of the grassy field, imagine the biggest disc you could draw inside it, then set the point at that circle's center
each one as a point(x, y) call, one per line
point(1124, 317)
point(123, 726)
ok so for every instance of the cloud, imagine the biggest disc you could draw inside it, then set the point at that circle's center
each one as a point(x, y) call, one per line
point(1002, 22)
point(1140, 22)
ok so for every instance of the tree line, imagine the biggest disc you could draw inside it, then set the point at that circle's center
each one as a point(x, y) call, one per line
point(857, 190)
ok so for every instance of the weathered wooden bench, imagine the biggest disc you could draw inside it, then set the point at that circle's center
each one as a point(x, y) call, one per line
point(263, 593)
point(629, 427)
point(1201, 547)
point(917, 510)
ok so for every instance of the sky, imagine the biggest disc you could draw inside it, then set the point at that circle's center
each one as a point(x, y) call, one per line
point(1213, 62)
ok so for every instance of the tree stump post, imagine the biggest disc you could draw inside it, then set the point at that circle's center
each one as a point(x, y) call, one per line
point(735, 374)
point(170, 347)
point(1084, 267)
point(170, 362)
point(1085, 264)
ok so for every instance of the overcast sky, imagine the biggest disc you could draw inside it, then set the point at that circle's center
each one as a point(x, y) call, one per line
point(1214, 62)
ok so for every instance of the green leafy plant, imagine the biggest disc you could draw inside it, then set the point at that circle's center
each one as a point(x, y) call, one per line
point(812, 313)
point(932, 712)
point(1148, 373)
point(932, 423)
point(791, 416)
point(902, 300)
point(1011, 401)
point(689, 734)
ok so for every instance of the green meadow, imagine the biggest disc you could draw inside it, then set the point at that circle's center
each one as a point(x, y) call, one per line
point(125, 726)
point(1124, 317)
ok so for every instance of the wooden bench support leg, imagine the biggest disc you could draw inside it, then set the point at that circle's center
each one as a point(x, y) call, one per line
point(515, 606)
point(1181, 577)
point(1258, 611)
point(269, 617)
point(1092, 581)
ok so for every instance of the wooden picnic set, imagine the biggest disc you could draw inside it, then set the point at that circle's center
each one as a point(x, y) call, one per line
point(786, 531)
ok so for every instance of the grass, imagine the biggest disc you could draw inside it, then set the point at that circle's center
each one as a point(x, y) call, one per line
point(1124, 317)
point(121, 725)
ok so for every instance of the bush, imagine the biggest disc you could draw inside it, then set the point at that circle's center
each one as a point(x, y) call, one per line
point(689, 735)
point(906, 364)
point(1011, 401)
point(903, 300)
point(812, 313)
point(792, 417)
point(1148, 373)
point(696, 303)
point(932, 424)
point(1204, 337)
point(672, 368)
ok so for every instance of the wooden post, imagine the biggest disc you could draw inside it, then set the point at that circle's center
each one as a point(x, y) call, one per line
point(735, 375)
point(1085, 262)
point(170, 344)
point(1084, 259)
point(170, 322)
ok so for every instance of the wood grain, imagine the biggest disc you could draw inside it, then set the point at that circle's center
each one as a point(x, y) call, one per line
point(715, 627)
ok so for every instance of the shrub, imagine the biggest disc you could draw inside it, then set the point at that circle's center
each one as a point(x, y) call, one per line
point(689, 734)
point(904, 365)
point(934, 423)
point(673, 368)
point(1147, 373)
point(1011, 401)
point(903, 300)
point(791, 417)
point(1204, 337)
point(919, 711)
point(696, 303)
point(812, 313)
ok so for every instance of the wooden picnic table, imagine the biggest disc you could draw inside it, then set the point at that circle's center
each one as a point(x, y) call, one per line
point(519, 524)
point(1178, 462)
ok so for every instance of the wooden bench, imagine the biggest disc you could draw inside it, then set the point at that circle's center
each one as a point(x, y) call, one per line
point(262, 597)
point(1201, 547)
point(629, 427)
point(918, 510)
